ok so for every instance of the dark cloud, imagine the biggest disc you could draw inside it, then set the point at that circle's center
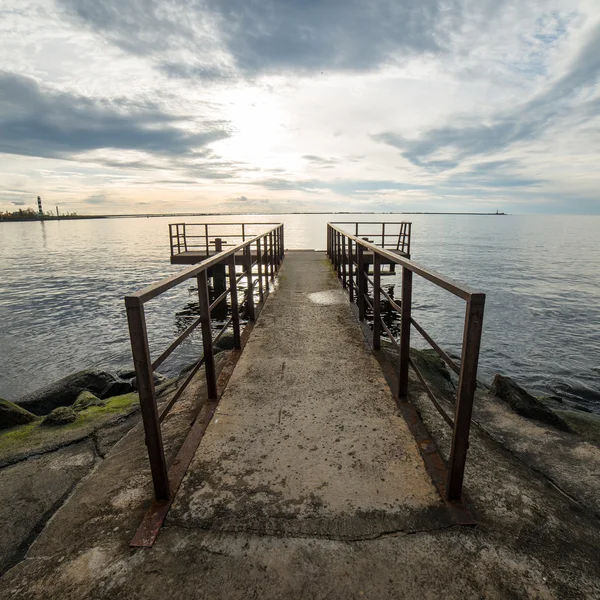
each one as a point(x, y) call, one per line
point(525, 122)
point(497, 174)
point(215, 38)
point(39, 122)
point(96, 199)
point(346, 187)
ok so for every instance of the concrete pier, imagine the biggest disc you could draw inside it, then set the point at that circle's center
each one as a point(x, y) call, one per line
point(307, 438)
point(309, 485)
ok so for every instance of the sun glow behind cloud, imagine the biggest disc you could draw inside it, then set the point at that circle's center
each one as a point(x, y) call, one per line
point(129, 106)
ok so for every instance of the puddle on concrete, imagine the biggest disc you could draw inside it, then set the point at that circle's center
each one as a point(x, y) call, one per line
point(328, 298)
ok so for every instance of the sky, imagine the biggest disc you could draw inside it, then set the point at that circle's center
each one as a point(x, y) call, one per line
point(153, 106)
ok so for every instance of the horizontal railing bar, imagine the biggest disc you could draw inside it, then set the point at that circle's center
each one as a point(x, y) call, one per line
point(180, 389)
point(161, 359)
point(390, 334)
point(219, 299)
point(224, 224)
point(431, 394)
point(142, 296)
point(369, 222)
point(395, 306)
point(462, 291)
point(433, 344)
point(222, 330)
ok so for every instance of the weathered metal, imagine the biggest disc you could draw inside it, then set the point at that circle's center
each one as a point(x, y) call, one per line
point(145, 384)
point(139, 340)
point(475, 301)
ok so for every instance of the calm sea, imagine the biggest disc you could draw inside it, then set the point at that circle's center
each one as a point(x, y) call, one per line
point(62, 286)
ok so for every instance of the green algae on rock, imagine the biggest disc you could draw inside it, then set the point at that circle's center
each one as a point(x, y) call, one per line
point(85, 400)
point(60, 416)
point(12, 414)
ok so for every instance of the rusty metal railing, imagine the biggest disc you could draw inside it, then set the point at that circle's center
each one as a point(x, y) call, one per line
point(268, 250)
point(200, 237)
point(347, 254)
point(395, 235)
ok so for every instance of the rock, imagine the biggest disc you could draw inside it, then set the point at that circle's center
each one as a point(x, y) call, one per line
point(85, 400)
point(65, 391)
point(12, 414)
point(432, 361)
point(524, 404)
point(158, 378)
point(226, 342)
point(126, 373)
point(117, 388)
point(63, 415)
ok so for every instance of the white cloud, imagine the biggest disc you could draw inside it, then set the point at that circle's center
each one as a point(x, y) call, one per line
point(456, 105)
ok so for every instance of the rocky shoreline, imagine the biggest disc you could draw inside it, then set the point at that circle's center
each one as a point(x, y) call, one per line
point(50, 440)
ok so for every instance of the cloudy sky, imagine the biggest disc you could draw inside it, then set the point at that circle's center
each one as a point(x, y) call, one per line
point(129, 106)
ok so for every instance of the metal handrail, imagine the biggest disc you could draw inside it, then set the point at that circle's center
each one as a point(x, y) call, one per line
point(269, 251)
point(400, 238)
point(181, 241)
point(342, 249)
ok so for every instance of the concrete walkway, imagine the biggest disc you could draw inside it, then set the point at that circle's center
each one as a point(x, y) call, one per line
point(307, 438)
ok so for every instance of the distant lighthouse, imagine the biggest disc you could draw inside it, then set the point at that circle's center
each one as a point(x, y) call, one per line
point(40, 211)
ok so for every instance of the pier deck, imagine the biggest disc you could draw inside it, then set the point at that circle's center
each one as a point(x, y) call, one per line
point(307, 438)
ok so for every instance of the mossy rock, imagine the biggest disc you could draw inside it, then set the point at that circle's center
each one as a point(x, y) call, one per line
point(85, 400)
point(12, 414)
point(63, 415)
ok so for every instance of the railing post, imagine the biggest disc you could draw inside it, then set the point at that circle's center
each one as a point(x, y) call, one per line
point(405, 324)
point(243, 232)
point(206, 238)
point(271, 256)
point(339, 255)
point(467, 384)
point(282, 241)
point(266, 262)
point(248, 269)
point(344, 281)
point(261, 294)
point(178, 241)
point(350, 271)
point(207, 343)
point(383, 235)
point(235, 311)
point(376, 301)
point(277, 249)
point(145, 384)
point(360, 276)
point(184, 238)
point(218, 271)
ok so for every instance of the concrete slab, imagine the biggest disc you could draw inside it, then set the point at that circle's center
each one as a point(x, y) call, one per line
point(307, 438)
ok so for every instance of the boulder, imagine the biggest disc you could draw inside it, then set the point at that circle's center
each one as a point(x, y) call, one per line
point(12, 414)
point(126, 373)
point(117, 388)
point(62, 415)
point(85, 400)
point(226, 342)
point(65, 391)
point(524, 404)
point(158, 379)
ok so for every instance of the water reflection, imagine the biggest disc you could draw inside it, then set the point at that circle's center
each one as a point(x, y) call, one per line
point(63, 282)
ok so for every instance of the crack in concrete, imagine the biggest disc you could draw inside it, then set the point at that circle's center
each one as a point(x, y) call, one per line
point(327, 537)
